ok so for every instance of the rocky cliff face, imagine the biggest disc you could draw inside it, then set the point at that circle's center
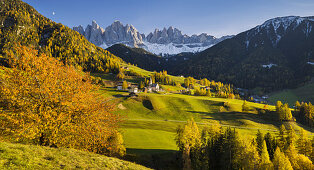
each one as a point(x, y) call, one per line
point(113, 34)
point(117, 33)
point(173, 35)
point(166, 41)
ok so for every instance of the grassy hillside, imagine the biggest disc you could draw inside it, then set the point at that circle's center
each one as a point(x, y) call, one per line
point(304, 93)
point(18, 156)
point(152, 119)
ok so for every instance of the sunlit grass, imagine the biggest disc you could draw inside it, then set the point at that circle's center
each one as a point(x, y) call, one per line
point(18, 156)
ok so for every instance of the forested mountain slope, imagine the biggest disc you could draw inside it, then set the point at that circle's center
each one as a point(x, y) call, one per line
point(275, 55)
point(21, 24)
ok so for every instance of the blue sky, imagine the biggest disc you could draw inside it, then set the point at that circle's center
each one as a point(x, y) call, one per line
point(215, 17)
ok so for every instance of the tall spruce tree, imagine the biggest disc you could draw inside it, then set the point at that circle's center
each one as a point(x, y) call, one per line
point(281, 162)
point(265, 160)
point(259, 142)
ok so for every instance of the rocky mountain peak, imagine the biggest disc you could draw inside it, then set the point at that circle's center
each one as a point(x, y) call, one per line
point(79, 29)
point(94, 24)
point(168, 40)
point(273, 30)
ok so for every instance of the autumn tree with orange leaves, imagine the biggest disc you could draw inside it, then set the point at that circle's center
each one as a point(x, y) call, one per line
point(47, 103)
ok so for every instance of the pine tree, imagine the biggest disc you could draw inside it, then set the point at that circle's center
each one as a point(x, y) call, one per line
point(287, 115)
point(290, 138)
point(304, 144)
point(142, 85)
point(278, 106)
point(124, 85)
point(208, 93)
point(297, 106)
point(188, 138)
point(282, 137)
point(271, 145)
point(246, 156)
point(120, 75)
point(281, 162)
point(265, 160)
point(245, 106)
point(259, 141)
point(298, 161)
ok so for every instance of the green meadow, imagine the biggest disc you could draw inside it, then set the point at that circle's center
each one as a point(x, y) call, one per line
point(151, 119)
point(304, 93)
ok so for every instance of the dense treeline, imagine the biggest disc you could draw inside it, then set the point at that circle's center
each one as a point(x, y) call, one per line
point(210, 88)
point(161, 77)
point(45, 102)
point(138, 57)
point(304, 113)
point(22, 24)
point(283, 111)
point(217, 148)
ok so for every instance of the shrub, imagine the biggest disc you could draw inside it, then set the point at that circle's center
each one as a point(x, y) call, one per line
point(47, 103)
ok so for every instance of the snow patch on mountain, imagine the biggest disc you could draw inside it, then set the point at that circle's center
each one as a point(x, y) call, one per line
point(269, 65)
point(104, 46)
point(247, 43)
point(285, 22)
point(172, 48)
point(277, 28)
point(308, 29)
point(166, 42)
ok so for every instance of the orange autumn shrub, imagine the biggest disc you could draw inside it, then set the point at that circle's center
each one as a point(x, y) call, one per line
point(47, 103)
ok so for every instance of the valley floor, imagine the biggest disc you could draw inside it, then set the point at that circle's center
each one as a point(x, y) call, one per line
point(151, 120)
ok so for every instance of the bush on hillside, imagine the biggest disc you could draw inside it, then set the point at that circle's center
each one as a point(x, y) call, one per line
point(47, 103)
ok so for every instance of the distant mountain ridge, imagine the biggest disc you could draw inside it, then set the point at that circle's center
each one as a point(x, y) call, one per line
point(277, 54)
point(113, 34)
point(167, 41)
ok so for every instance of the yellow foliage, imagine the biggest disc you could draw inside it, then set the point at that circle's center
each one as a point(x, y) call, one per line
point(47, 103)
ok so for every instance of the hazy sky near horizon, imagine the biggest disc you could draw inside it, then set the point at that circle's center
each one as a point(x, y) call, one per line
point(215, 17)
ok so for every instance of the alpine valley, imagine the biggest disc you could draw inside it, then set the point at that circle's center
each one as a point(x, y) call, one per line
point(277, 54)
point(115, 98)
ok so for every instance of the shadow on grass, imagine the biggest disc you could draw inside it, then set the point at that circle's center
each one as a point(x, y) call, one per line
point(155, 158)
point(148, 151)
point(120, 95)
point(148, 104)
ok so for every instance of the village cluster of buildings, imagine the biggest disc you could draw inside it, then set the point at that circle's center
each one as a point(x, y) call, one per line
point(133, 88)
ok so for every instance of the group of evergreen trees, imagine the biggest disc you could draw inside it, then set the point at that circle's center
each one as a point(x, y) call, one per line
point(162, 78)
point(283, 111)
point(210, 88)
point(304, 113)
point(158, 77)
point(217, 148)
